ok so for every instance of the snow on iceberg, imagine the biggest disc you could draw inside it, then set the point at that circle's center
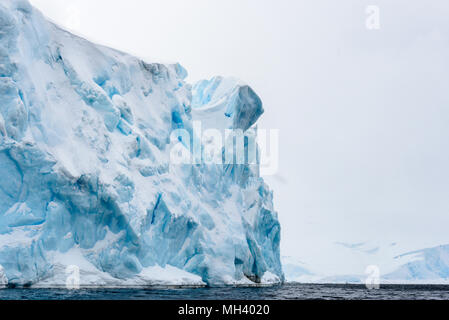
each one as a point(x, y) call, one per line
point(85, 169)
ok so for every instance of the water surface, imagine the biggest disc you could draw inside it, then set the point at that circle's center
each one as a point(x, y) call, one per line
point(284, 292)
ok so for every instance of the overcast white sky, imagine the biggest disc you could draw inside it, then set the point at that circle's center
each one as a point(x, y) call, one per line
point(364, 115)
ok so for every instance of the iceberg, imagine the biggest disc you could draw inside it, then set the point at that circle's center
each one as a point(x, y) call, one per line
point(86, 178)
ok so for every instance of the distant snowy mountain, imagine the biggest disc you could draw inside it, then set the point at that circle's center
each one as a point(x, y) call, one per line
point(424, 266)
point(429, 265)
point(86, 135)
point(295, 270)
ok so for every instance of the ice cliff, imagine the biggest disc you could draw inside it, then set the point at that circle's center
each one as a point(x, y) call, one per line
point(85, 172)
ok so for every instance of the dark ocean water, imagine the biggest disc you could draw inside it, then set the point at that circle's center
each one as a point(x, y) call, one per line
point(284, 292)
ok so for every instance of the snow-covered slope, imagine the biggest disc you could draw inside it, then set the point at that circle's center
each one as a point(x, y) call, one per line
point(395, 266)
point(86, 178)
point(428, 266)
point(296, 270)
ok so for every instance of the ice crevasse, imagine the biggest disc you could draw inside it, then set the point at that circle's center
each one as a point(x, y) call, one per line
point(85, 173)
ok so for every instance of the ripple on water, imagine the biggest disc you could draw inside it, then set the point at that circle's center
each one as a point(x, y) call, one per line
point(285, 292)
